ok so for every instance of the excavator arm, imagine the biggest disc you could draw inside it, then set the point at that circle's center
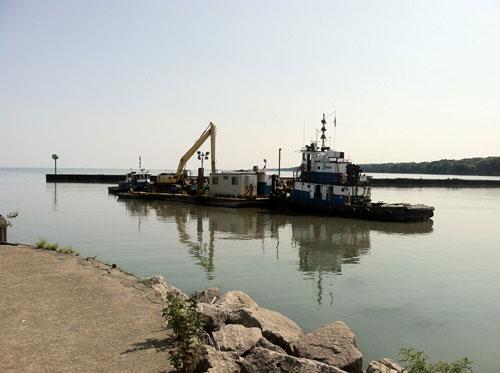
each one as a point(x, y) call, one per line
point(210, 131)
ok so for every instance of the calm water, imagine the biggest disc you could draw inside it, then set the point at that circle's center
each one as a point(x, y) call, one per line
point(432, 286)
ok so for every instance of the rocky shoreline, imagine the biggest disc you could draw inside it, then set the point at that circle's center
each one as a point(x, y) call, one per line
point(243, 337)
point(87, 314)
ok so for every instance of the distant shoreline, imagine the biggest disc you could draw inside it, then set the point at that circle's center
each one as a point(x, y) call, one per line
point(487, 166)
point(478, 166)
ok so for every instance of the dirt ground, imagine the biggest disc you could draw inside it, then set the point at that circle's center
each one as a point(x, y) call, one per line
point(63, 313)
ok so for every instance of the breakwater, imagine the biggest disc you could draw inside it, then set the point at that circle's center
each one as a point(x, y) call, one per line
point(84, 178)
point(375, 182)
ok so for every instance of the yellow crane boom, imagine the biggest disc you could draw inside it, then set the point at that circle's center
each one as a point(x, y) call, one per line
point(210, 131)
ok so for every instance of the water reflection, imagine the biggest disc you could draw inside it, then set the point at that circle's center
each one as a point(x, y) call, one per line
point(54, 194)
point(323, 244)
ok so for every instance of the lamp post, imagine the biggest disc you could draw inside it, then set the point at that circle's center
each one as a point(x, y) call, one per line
point(203, 156)
point(201, 177)
point(279, 162)
point(55, 157)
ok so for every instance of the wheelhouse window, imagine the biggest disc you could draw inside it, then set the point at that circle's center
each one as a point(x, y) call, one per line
point(215, 180)
point(234, 180)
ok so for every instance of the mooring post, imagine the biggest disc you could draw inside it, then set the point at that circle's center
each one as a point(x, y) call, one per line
point(279, 162)
point(55, 157)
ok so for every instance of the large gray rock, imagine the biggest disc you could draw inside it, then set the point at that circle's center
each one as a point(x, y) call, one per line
point(384, 366)
point(236, 299)
point(158, 279)
point(209, 295)
point(213, 317)
point(177, 291)
point(159, 285)
point(276, 328)
point(261, 360)
point(332, 344)
point(264, 343)
point(220, 362)
point(237, 338)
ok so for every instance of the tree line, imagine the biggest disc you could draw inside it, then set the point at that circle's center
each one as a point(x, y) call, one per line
point(488, 166)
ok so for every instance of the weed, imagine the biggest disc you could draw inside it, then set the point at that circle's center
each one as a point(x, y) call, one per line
point(43, 244)
point(186, 323)
point(416, 362)
point(68, 250)
point(144, 280)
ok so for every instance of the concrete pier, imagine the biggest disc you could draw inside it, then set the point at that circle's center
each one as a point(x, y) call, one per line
point(376, 182)
point(64, 313)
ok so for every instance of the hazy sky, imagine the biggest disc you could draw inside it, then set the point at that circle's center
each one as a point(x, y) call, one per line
point(100, 82)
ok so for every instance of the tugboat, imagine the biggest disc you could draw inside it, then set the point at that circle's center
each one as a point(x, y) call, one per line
point(328, 183)
point(134, 180)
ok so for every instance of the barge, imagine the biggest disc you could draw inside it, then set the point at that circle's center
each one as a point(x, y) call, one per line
point(198, 199)
point(325, 183)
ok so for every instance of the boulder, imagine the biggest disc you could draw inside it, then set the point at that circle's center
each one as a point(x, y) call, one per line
point(158, 279)
point(159, 285)
point(261, 360)
point(264, 343)
point(176, 291)
point(220, 362)
point(237, 338)
point(213, 317)
point(209, 295)
point(384, 366)
point(332, 344)
point(236, 299)
point(276, 328)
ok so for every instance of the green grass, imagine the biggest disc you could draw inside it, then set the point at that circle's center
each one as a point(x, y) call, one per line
point(43, 244)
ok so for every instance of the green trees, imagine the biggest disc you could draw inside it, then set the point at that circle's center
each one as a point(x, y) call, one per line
point(489, 166)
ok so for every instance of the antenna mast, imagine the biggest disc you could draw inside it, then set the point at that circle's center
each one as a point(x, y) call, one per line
point(323, 130)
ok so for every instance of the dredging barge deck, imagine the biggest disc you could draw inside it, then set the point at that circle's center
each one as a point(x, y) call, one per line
point(198, 199)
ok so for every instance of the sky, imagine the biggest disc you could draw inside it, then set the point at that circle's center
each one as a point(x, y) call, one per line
point(102, 82)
